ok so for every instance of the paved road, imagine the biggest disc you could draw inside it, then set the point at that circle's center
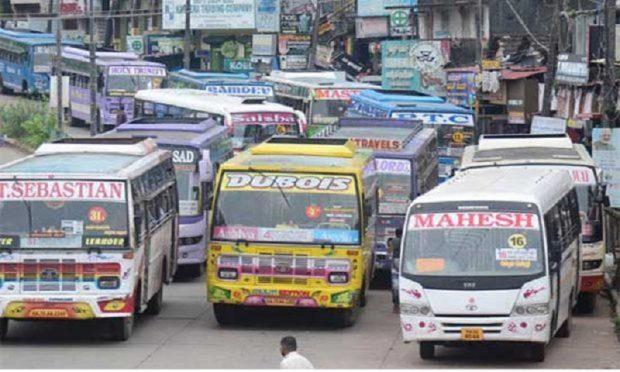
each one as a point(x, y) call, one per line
point(186, 335)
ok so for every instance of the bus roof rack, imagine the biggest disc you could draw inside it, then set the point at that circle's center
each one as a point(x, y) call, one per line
point(502, 141)
point(328, 147)
point(125, 146)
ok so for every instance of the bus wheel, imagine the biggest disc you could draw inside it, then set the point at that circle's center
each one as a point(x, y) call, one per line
point(122, 328)
point(344, 318)
point(196, 270)
point(427, 350)
point(586, 303)
point(4, 328)
point(156, 303)
point(537, 352)
point(224, 314)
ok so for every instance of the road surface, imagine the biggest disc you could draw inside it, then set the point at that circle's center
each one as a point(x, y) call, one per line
point(186, 335)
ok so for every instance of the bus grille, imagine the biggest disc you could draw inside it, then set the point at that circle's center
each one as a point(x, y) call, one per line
point(487, 328)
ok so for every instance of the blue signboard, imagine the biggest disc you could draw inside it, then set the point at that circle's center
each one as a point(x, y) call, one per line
point(399, 3)
point(371, 8)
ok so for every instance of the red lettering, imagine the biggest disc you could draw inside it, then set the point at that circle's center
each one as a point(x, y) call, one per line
point(423, 221)
point(116, 191)
point(2, 188)
point(503, 220)
point(465, 219)
point(484, 220)
point(445, 221)
point(524, 220)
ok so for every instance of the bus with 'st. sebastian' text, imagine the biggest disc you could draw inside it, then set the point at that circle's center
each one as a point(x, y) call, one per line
point(291, 226)
point(88, 230)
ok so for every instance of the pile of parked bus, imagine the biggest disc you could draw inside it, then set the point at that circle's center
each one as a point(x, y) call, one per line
point(294, 192)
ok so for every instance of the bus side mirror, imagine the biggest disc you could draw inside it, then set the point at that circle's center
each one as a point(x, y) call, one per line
point(205, 167)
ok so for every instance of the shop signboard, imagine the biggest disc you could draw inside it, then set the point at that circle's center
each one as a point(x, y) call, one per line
point(294, 62)
point(209, 14)
point(268, 15)
point(135, 44)
point(572, 69)
point(294, 44)
point(323, 56)
point(243, 65)
point(72, 7)
point(399, 3)
point(414, 65)
point(606, 154)
point(164, 44)
point(296, 23)
point(400, 22)
point(548, 125)
point(264, 44)
point(461, 88)
point(371, 8)
point(370, 27)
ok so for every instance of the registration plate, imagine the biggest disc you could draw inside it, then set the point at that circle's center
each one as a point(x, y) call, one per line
point(471, 334)
point(49, 313)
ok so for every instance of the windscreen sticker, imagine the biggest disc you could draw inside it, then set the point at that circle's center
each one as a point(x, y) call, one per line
point(62, 190)
point(313, 212)
point(288, 182)
point(516, 254)
point(429, 265)
point(483, 220)
point(9, 241)
point(97, 215)
point(74, 227)
point(105, 242)
point(286, 232)
point(517, 241)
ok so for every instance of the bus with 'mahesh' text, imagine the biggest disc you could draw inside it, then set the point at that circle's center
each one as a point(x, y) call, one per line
point(491, 256)
point(96, 238)
point(291, 226)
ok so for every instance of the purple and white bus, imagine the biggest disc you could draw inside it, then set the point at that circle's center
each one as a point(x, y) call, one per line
point(119, 76)
point(198, 147)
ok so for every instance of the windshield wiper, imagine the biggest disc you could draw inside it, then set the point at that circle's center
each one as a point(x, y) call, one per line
point(240, 241)
point(327, 243)
point(288, 204)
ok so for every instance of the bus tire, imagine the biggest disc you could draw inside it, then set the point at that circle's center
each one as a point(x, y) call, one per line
point(344, 318)
point(156, 303)
point(196, 270)
point(537, 352)
point(122, 328)
point(565, 329)
point(224, 314)
point(4, 328)
point(586, 303)
point(427, 350)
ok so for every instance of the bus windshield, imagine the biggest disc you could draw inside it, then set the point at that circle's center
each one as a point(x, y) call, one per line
point(43, 56)
point(394, 183)
point(63, 214)
point(328, 111)
point(287, 208)
point(457, 243)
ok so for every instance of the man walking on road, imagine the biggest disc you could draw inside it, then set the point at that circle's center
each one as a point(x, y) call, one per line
point(291, 359)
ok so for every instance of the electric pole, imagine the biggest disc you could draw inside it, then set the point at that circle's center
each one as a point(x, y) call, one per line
point(59, 103)
point(479, 47)
point(552, 60)
point(94, 116)
point(609, 83)
point(315, 35)
point(186, 39)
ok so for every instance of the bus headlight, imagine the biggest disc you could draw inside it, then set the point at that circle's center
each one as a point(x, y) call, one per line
point(534, 309)
point(227, 273)
point(591, 264)
point(338, 278)
point(411, 309)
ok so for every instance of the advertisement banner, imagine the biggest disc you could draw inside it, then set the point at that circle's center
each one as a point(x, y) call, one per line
point(135, 44)
point(414, 65)
point(371, 27)
point(323, 56)
point(606, 154)
point(294, 45)
point(294, 62)
point(296, 23)
point(264, 45)
point(572, 69)
point(546, 125)
point(268, 15)
point(400, 22)
point(209, 14)
point(164, 44)
point(370, 8)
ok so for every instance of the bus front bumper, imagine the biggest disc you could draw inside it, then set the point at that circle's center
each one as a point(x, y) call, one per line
point(457, 329)
point(321, 297)
point(65, 307)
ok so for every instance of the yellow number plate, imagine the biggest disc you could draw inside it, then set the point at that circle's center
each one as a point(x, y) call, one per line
point(48, 313)
point(471, 334)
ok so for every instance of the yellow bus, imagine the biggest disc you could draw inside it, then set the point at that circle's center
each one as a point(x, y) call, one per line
point(291, 225)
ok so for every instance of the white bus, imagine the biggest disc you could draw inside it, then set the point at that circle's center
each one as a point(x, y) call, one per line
point(88, 230)
point(250, 120)
point(491, 256)
point(557, 152)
